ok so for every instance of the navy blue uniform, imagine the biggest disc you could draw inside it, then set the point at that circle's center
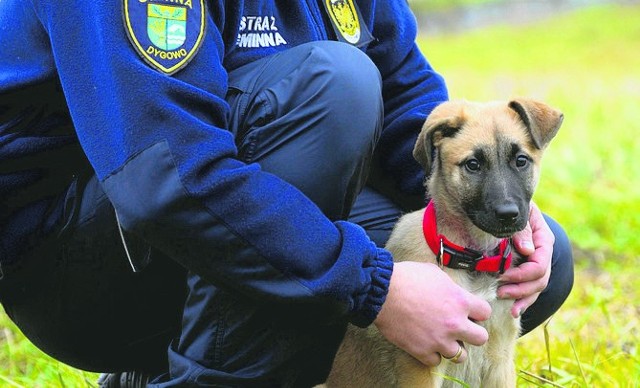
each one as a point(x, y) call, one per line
point(106, 98)
point(154, 132)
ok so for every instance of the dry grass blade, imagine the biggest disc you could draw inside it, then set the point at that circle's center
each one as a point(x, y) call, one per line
point(539, 378)
point(11, 382)
point(546, 344)
point(575, 354)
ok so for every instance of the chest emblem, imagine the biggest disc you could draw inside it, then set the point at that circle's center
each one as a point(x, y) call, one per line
point(345, 19)
point(165, 33)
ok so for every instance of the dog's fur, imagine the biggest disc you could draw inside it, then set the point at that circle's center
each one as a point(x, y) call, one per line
point(474, 209)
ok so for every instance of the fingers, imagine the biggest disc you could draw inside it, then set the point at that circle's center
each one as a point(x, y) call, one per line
point(538, 266)
point(473, 334)
point(479, 309)
point(427, 327)
point(455, 352)
point(525, 293)
point(523, 241)
point(451, 345)
point(526, 281)
point(541, 235)
point(529, 278)
point(459, 356)
point(431, 359)
point(536, 239)
point(521, 305)
point(470, 332)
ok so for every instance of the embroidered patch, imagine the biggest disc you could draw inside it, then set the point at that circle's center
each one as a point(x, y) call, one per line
point(347, 22)
point(165, 33)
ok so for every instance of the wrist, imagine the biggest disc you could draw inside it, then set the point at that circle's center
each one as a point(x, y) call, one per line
point(380, 269)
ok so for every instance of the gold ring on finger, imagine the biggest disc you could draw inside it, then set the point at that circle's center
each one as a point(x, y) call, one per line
point(456, 356)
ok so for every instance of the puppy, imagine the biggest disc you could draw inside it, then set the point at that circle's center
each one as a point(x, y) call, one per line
point(482, 163)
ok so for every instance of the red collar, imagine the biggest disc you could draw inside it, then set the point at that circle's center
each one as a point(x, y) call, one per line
point(457, 257)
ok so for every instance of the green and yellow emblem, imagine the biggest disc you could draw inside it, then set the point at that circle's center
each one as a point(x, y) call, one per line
point(167, 26)
point(165, 33)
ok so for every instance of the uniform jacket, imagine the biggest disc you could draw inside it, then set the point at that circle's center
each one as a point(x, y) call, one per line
point(76, 92)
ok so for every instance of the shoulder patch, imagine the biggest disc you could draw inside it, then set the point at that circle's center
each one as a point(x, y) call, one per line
point(165, 33)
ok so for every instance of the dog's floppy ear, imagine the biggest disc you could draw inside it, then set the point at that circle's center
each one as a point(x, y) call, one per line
point(444, 121)
point(541, 120)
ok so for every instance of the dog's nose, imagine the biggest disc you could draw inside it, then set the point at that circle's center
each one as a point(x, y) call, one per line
point(507, 212)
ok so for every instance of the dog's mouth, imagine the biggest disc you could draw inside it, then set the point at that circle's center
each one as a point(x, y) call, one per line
point(500, 229)
point(505, 234)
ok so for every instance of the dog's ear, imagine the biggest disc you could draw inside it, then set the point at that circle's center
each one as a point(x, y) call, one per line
point(541, 120)
point(444, 121)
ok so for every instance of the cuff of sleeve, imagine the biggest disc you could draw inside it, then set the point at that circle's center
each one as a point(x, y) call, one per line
point(380, 269)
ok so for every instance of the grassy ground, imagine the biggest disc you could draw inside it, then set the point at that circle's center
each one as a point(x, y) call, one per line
point(23, 365)
point(588, 65)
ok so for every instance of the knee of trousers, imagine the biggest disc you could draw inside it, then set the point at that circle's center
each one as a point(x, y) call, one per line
point(562, 271)
point(560, 282)
point(348, 89)
point(315, 107)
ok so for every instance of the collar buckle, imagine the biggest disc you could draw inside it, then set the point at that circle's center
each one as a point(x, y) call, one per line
point(441, 255)
point(506, 258)
point(467, 259)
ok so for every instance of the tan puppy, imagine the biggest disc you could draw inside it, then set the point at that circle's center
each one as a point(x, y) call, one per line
point(482, 163)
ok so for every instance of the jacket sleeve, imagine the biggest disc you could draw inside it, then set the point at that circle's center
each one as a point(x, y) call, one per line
point(411, 89)
point(159, 146)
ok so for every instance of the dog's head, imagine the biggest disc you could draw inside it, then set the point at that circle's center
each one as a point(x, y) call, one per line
point(483, 160)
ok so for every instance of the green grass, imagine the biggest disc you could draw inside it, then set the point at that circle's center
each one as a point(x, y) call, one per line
point(23, 365)
point(588, 65)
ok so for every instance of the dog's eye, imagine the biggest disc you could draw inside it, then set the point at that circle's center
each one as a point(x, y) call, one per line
point(521, 161)
point(472, 165)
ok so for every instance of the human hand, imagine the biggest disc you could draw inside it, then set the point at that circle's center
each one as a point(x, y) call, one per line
point(426, 313)
point(525, 282)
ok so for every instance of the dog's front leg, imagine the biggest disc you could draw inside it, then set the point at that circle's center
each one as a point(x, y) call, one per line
point(500, 370)
point(501, 375)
